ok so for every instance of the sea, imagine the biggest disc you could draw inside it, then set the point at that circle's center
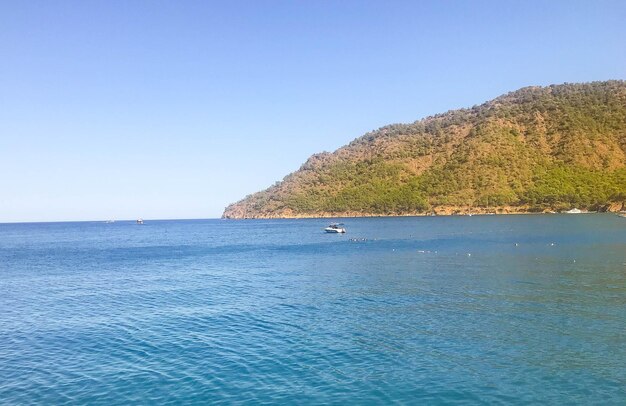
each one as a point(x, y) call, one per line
point(520, 309)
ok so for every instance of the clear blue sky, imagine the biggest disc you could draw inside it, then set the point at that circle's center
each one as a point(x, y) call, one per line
point(173, 109)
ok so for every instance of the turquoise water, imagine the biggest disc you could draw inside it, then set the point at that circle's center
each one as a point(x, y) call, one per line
point(435, 310)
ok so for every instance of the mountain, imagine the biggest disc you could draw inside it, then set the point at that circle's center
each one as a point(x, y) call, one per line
point(536, 149)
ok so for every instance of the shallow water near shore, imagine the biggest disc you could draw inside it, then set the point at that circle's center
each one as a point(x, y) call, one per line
point(481, 309)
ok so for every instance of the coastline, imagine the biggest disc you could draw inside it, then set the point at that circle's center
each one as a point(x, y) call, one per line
point(616, 207)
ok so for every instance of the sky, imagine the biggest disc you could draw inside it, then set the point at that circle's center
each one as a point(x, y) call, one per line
point(174, 109)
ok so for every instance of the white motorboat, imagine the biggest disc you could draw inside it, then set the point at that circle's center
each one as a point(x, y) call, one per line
point(335, 228)
point(139, 221)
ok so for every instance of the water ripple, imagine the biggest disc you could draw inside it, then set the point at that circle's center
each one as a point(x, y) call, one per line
point(278, 312)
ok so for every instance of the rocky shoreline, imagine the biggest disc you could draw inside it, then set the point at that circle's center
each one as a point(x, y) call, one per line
point(614, 207)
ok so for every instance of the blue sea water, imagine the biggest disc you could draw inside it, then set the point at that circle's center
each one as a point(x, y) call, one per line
point(431, 310)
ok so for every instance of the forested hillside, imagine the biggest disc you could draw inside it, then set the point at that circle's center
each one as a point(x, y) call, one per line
point(535, 149)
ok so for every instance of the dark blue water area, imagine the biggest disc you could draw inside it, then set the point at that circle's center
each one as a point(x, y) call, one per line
point(527, 309)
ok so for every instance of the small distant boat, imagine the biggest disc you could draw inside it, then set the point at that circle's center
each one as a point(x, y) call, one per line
point(335, 228)
point(621, 215)
point(574, 211)
point(139, 221)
